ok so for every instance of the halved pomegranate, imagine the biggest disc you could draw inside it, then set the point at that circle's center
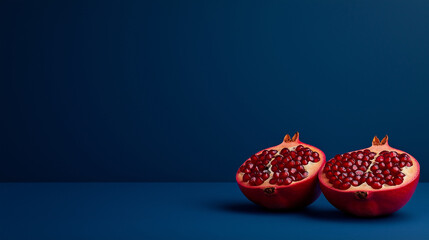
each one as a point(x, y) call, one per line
point(375, 181)
point(283, 176)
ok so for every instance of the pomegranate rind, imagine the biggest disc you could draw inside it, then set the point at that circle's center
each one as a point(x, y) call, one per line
point(365, 201)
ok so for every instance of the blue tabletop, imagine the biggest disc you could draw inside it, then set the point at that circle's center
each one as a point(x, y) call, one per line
point(185, 211)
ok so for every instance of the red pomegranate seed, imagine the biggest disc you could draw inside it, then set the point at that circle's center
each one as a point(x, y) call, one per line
point(246, 177)
point(359, 172)
point(397, 181)
point(259, 181)
point(284, 174)
point(355, 183)
point(293, 171)
point(376, 185)
point(288, 181)
point(279, 181)
point(273, 181)
point(379, 159)
point(337, 183)
point(347, 164)
point(273, 152)
point(395, 160)
point(304, 162)
point(345, 186)
point(284, 151)
point(265, 176)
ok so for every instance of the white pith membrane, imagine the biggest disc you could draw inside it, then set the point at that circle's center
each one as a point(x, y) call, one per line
point(408, 171)
point(311, 167)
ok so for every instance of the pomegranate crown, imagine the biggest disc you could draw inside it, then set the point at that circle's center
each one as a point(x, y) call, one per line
point(377, 142)
point(293, 139)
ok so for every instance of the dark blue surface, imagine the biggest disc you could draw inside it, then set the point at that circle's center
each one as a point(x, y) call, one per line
point(184, 211)
point(120, 90)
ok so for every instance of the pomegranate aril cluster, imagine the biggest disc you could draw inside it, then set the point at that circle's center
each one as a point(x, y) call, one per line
point(286, 166)
point(356, 168)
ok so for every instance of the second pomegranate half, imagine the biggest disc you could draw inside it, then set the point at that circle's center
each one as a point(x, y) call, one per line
point(283, 176)
point(375, 181)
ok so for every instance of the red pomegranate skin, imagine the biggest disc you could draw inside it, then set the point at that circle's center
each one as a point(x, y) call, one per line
point(375, 202)
point(294, 196)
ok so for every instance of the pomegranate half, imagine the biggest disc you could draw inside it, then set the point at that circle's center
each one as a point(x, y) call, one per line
point(375, 181)
point(283, 176)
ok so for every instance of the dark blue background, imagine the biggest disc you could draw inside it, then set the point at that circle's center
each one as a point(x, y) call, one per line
point(186, 90)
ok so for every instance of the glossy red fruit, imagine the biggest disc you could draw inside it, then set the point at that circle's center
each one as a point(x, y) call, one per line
point(283, 176)
point(382, 182)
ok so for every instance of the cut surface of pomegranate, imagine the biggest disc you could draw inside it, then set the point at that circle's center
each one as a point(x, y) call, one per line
point(283, 176)
point(375, 181)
